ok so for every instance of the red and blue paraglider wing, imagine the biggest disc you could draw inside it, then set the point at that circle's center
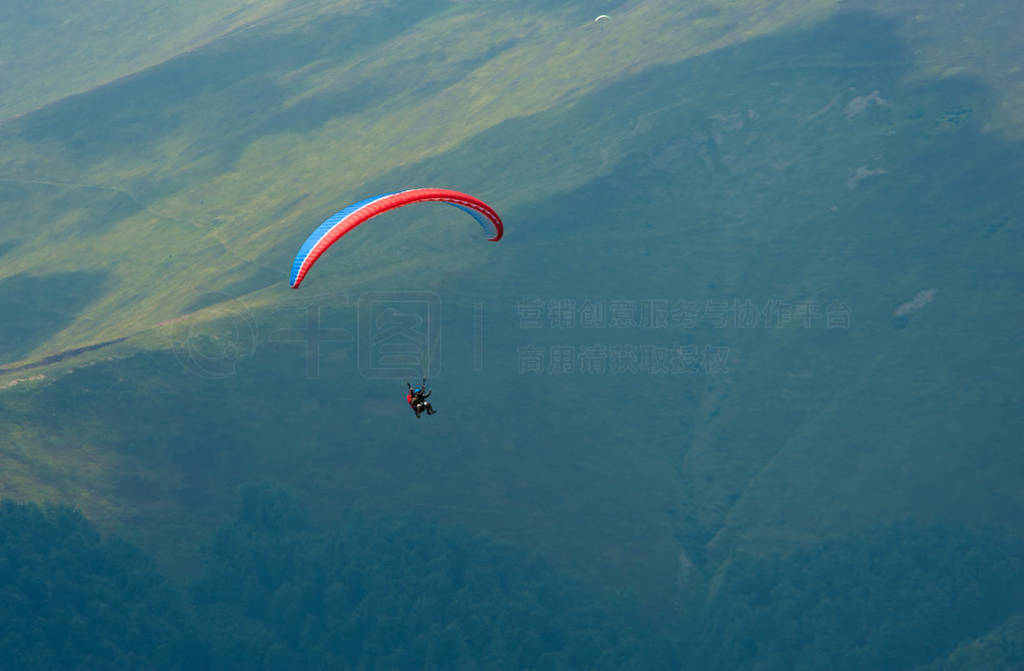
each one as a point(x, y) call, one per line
point(344, 221)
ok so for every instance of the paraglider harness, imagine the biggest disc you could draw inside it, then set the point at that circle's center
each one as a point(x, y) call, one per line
point(417, 399)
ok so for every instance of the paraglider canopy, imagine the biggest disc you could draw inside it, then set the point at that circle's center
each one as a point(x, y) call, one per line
point(336, 226)
point(602, 16)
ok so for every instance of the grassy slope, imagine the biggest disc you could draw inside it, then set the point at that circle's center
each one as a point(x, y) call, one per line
point(980, 41)
point(49, 50)
point(1002, 648)
point(250, 130)
point(700, 161)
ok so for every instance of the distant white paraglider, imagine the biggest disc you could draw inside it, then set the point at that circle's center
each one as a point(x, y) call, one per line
point(603, 16)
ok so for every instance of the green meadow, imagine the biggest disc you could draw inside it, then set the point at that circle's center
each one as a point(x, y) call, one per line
point(740, 383)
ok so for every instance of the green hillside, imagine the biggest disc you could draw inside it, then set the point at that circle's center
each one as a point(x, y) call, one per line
point(50, 50)
point(219, 158)
point(799, 224)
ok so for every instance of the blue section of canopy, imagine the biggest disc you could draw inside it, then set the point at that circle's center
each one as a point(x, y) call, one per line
point(324, 228)
point(487, 224)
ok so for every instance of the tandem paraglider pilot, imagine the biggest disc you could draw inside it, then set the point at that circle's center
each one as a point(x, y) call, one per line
point(417, 399)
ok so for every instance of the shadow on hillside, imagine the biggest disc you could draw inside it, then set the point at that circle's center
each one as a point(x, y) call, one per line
point(244, 78)
point(801, 165)
point(37, 307)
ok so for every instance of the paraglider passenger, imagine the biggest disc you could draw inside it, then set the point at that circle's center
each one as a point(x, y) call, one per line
point(417, 399)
